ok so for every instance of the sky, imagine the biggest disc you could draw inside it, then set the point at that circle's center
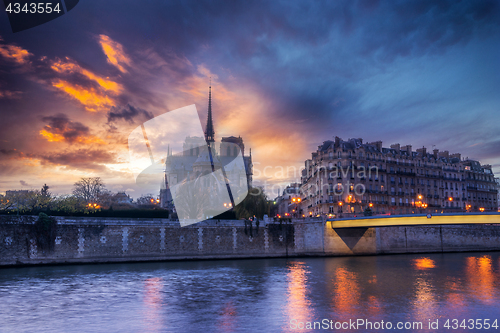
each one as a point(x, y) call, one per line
point(286, 76)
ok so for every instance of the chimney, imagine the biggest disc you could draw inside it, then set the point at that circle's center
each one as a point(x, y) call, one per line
point(407, 148)
point(377, 144)
point(446, 153)
point(422, 151)
point(436, 153)
point(396, 146)
point(456, 155)
point(337, 142)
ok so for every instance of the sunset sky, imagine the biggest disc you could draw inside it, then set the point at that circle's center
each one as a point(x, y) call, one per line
point(286, 76)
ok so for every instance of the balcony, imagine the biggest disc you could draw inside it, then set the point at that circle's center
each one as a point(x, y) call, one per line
point(412, 174)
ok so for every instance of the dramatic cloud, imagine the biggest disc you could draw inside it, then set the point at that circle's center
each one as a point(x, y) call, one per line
point(285, 77)
point(93, 99)
point(60, 128)
point(70, 67)
point(128, 114)
point(14, 53)
point(114, 52)
point(81, 159)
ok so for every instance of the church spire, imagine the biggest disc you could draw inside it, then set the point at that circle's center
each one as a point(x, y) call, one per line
point(209, 131)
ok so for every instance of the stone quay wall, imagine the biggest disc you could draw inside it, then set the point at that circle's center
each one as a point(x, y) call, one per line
point(101, 240)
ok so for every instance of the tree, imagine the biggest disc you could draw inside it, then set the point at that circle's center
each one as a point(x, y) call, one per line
point(24, 201)
point(45, 191)
point(69, 204)
point(89, 188)
point(255, 203)
point(146, 200)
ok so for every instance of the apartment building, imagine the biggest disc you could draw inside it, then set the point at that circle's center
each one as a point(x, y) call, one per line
point(349, 176)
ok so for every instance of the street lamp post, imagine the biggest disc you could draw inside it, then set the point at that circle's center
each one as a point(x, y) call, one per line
point(296, 202)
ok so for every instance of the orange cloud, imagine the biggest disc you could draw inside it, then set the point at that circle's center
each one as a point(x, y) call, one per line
point(51, 137)
point(61, 128)
point(70, 67)
point(114, 52)
point(55, 137)
point(14, 53)
point(92, 99)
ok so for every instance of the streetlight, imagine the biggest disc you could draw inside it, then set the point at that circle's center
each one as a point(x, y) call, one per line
point(296, 201)
point(481, 209)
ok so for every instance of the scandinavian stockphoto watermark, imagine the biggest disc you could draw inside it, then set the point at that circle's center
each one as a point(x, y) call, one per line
point(198, 177)
point(335, 180)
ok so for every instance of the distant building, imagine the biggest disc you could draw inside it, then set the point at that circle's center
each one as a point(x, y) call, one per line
point(10, 193)
point(497, 180)
point(122, 198)
point(195, 160)
point(287, 206)
point(350, 176)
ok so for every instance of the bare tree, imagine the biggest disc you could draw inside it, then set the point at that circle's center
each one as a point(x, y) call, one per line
point(146, 200)
point(89, 188)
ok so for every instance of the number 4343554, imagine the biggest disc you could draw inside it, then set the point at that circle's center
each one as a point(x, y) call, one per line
point(471, 324)
point(33, 8)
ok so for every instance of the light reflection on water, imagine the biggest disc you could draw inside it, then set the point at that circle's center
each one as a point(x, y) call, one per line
point(249, 295)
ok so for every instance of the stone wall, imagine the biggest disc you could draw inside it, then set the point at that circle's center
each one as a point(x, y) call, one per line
point(87, 240)
point(115, 240)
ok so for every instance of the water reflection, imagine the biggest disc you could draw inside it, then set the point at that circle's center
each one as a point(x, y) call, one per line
point(480, 278)
point(423, 263)
point(153, 321)
point(227, 318)
point(248, 295)
point(298, 306)
point(347, 292)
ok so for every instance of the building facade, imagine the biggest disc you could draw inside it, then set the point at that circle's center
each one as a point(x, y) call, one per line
point(350, 176)
point(288, 203)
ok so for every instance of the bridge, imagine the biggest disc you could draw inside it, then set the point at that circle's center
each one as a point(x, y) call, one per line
point(415, 220)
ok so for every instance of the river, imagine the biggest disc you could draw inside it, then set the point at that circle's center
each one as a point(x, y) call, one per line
point(261, 295)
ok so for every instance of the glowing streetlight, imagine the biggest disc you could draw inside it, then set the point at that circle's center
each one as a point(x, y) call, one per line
point(419, 197)
point(481, 209)
point(370, 205)
point(450, 199)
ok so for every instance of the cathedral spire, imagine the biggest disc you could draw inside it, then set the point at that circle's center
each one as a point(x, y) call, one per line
point(209, 130)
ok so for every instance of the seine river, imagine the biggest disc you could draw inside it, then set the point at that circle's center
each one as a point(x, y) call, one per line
point(264, 295)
